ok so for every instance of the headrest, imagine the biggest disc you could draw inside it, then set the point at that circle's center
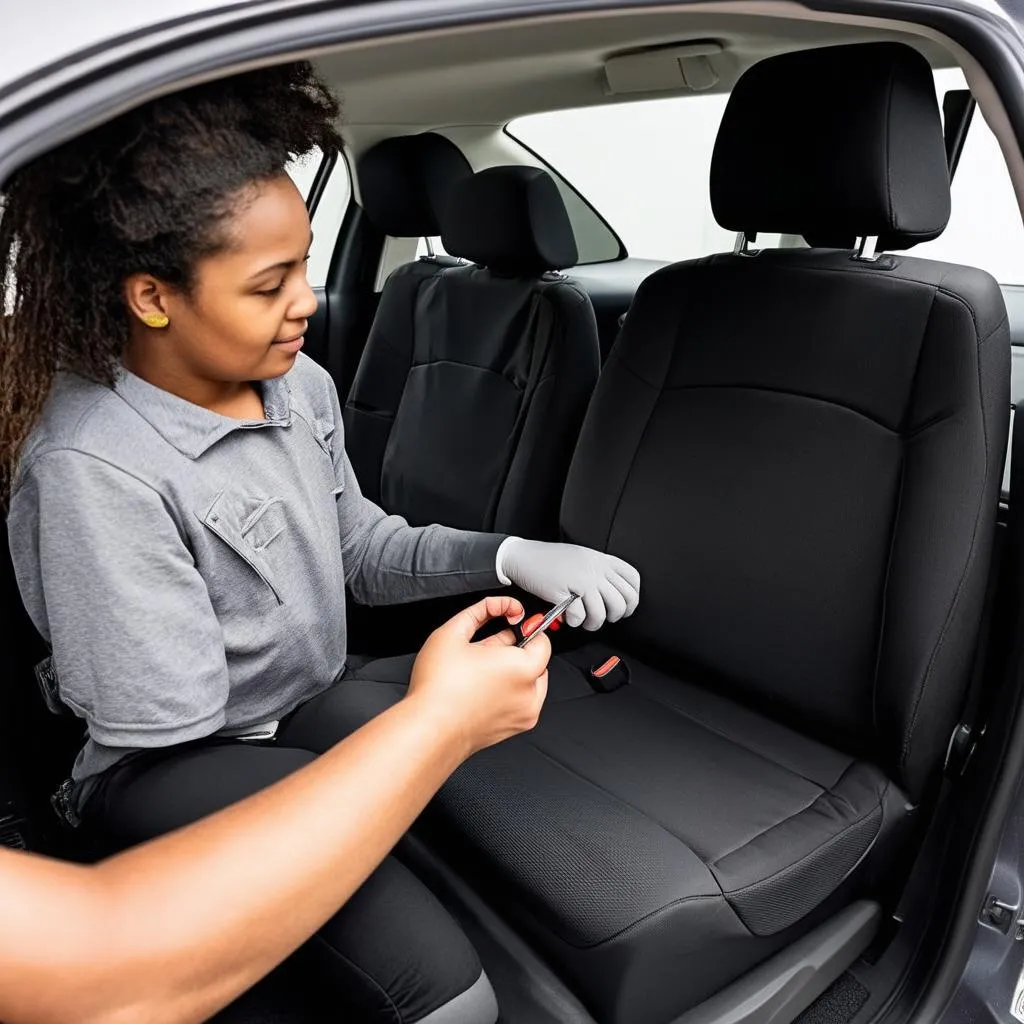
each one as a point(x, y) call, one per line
point(405, 183)
point(834, 143)
point(511, 220)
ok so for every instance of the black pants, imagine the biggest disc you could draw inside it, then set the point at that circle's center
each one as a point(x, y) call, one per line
point(392, 953)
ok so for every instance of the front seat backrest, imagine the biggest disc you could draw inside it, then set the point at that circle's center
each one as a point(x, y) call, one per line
point(474, 381)
point(801, 451)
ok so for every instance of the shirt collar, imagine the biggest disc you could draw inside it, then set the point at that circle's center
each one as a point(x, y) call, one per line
point(189, 427)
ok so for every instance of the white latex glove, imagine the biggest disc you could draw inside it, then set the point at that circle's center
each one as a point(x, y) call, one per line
point(609, 588)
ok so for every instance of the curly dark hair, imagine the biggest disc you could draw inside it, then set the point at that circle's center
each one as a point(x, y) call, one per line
point(147, 192)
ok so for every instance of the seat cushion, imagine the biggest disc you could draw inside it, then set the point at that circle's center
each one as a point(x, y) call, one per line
point(656, 841)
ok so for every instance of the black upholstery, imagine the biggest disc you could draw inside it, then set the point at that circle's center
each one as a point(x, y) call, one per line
point(473, 384)
point(404, 185)
point(406, 182)
point(846, 423)
point(801, 453)
point(855, 153)
point(511, 220)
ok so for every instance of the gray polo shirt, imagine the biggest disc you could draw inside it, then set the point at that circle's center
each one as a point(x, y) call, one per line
point(189, 570)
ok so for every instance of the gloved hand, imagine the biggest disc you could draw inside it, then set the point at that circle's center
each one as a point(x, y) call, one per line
point(609, 588)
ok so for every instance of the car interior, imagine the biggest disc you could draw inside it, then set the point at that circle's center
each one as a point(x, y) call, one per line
point(766, 812)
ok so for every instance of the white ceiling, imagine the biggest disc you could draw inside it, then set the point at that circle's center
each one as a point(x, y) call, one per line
point(491, 74)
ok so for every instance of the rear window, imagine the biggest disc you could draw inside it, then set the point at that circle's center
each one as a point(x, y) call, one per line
point(645, 166)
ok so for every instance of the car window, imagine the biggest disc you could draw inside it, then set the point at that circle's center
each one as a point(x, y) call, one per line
point(330, 210)
point(596, 241)
point(985, 228)
point(303, 170)
point(645, 165)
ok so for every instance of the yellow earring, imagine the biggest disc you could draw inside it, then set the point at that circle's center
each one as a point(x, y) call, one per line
point(157, 320)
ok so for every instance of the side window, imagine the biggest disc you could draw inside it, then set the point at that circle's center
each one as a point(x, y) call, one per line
point(645, 166)
point(303, 170)
point(596, 241)
point(985, 228)
point(330, 211)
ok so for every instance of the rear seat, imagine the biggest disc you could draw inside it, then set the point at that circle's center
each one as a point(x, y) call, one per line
point(474, 381)
point(405, 184)
point(801, 452)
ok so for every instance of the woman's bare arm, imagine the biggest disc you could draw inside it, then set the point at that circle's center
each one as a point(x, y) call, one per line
point(173, 930)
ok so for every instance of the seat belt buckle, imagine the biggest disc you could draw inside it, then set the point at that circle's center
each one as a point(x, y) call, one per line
point(609, 675)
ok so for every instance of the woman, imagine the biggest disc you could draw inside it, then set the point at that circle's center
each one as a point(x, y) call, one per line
point(183, 516)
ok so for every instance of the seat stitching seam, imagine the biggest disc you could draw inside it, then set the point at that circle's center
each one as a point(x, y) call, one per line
point(885, 591)
point(796, 864)
point(658, 910)
point(895, 527)
point(825, 791)
point(410, 310)
point(613, 796)
point(399, 1019)
point(661, 910)
point(658, 389)
point(787, 392)
point(754, 838)
point(635, 374)
point(459, 362)
point(690, 717)
point(972, 551)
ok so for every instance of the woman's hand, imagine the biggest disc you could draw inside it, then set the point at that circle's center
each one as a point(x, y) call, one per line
point(608, 587)
point(485, 691)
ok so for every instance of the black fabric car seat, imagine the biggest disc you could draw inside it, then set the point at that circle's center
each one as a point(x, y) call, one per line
point(801, 451)
point(405, 184)
point(474, 381)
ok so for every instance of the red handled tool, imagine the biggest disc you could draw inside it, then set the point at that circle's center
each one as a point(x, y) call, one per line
point(539, 623)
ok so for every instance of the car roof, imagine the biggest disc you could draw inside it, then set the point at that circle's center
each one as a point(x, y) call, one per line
point(46, 32)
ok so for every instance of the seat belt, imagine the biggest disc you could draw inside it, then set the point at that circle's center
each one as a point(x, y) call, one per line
point(1002, 621)
point(542, 316)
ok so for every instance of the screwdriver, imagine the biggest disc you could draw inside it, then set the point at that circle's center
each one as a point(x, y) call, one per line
point(531, 627)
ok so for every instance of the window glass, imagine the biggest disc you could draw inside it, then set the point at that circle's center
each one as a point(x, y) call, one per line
point(595, 241)
point(985, 228)
point(645, 166)
point(328, 218)
point(303, 170)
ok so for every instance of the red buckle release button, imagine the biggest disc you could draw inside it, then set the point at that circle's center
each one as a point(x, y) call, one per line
point(531, 624)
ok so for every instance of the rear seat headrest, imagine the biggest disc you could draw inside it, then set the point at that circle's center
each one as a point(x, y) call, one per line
point(834, 143)
point(511, 220)
point(405, 183)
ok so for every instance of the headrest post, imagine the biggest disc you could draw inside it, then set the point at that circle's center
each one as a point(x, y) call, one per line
point(865, 251)
point(430, 247)
point(744, 239)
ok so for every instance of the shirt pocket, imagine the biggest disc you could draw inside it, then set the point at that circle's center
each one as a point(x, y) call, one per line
point(248, 525)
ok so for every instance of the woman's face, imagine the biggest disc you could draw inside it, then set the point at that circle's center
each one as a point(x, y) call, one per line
point(244, 317)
